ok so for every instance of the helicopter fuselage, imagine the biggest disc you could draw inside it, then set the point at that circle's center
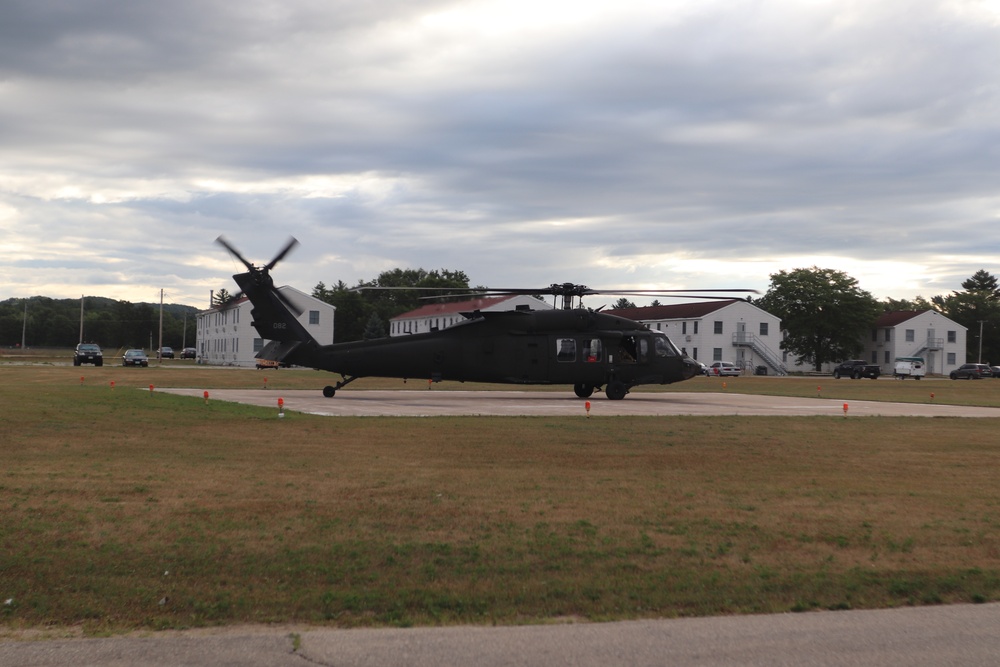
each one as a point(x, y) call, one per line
point(579, 347)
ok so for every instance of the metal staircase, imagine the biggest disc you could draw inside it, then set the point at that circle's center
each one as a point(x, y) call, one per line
point(931, 344)
point(759, 348)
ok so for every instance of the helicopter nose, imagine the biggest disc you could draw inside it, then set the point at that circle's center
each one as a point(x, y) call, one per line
point(691, 368)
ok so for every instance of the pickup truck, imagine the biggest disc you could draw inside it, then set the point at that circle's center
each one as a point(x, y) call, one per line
point(857, 368)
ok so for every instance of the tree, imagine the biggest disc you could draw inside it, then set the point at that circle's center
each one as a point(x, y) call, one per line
point(623, 303)
point(977, 308)
point(355, 309)
point(222, 297)
point(824, 313)
point(890, 305)
point(374, 328)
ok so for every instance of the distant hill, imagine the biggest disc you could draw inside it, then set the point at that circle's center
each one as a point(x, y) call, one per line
point(107, 322)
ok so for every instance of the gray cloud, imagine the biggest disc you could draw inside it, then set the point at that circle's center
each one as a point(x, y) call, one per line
point(697, 144)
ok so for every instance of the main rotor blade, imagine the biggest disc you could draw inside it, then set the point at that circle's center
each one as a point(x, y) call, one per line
point(234, 252)
point(291, 243)
point(654, 292)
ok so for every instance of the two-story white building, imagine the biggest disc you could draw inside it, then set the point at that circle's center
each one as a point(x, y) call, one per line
point(225, 336)
point(724, 330)
point(916, 333)
point(436, 316)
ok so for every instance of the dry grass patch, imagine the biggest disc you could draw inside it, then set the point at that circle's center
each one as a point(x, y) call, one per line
point(117, 501)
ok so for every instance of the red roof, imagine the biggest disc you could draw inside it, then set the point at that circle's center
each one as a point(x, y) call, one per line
point(676, 311)
point(886, 320)
point(448, 308)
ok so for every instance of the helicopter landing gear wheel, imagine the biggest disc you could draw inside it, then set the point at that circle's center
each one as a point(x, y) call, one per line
point(329, 391)
point(616, 390)
point(583, 390)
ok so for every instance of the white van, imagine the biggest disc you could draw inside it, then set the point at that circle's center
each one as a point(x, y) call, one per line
point(909, 367)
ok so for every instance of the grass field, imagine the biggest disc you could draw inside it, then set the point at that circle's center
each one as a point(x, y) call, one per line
point(126, 508)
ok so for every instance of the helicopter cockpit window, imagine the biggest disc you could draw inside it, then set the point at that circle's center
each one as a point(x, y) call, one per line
point(566, 349)
point(593, 351)
point(664, 348)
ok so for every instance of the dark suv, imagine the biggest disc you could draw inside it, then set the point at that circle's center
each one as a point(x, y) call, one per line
point(971, 372)
point(88, 353)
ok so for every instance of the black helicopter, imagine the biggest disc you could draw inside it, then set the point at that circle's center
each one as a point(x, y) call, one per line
point(587, 349)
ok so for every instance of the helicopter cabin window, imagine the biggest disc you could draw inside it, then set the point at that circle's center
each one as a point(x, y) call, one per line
point(633, 349)
point(566, 349)
point(593, 351)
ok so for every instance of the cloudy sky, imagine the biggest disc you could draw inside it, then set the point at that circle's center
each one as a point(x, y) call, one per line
point(660, 144)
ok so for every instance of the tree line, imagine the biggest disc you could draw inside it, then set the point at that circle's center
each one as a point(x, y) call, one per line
point(365, 314)
point(826, 315)
point(45, 322)
point(824, 312)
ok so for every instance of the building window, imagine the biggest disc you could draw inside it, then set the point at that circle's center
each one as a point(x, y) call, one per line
point(258, 344)
point(696, 327)
point(684, 327)
point(763, 328)
point(313, 317)
point(910, 335)
point(888, 334)
point(951, 358)
point(874, 356)
point(716, 354)
point(718, 330)
point(887, 354)
point(952, 337)
point(874, 335)
point(694, 353)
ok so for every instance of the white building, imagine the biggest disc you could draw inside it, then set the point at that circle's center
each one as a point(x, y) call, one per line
point(436, 316)
point(915, 333)
point(225, 336)
point(724, 330)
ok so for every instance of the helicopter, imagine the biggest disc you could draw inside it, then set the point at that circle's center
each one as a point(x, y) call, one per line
point(588, 349)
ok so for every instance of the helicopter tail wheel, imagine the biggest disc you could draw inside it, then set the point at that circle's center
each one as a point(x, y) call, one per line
point(616, 390)
point(329, 391)
point(583, 390)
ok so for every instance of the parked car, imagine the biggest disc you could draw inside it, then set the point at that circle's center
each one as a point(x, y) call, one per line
point(971, 372)
point(88, 353)
point(135, 358)
point(857, 369)
point(996, 371)
point(166, 352)
point(189, 353)
point(723, 368)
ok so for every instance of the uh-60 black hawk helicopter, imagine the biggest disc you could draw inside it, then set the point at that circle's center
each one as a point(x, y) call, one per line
point(585, 348)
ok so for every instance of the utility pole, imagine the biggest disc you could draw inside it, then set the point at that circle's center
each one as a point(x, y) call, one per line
point(81, 320)
point(980, 342)
point(24, 326)
point(159, 352)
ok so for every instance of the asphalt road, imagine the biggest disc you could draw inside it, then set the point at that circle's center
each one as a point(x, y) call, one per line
point(913, 637)
point(430, 403)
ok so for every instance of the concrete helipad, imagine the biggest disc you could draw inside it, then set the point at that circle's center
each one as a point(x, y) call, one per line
point(430, 403)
